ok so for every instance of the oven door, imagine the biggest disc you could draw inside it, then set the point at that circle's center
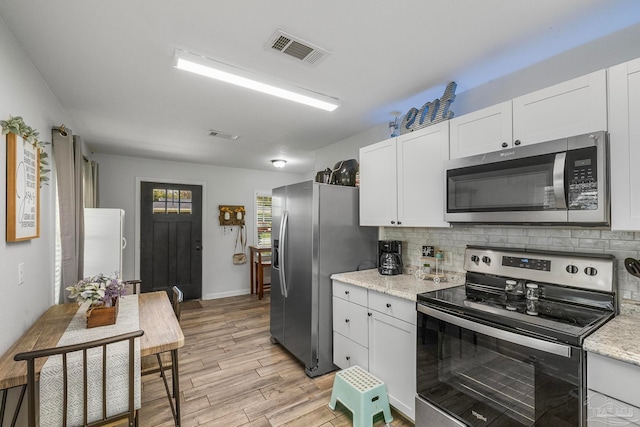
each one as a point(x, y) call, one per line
point(486, 376)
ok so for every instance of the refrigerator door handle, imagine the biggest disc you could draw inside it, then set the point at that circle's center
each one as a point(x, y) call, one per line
point(283, 253)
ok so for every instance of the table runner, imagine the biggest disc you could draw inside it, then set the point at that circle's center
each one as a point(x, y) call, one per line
point(51, 396)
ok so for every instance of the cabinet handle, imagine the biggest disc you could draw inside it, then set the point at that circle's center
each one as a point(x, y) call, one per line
point(388, 305)
point(346, 320)
point(399, 222)
point(369, 314)
point(393, 222)
point(348, 357)
point(517, 142)
point(346, 292)
point(505, 145)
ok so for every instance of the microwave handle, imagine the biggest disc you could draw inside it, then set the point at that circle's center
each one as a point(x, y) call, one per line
point(558, 180)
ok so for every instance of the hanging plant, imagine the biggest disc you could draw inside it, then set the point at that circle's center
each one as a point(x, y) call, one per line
point(19, 127)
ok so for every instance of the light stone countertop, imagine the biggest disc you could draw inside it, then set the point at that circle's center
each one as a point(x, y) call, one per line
point(619, 338)
point(403, 285)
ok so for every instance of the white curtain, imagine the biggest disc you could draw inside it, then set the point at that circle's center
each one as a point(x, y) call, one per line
point(90, 171)
point(67, 153)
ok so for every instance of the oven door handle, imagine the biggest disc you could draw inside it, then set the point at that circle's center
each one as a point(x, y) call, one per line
point(546, 346)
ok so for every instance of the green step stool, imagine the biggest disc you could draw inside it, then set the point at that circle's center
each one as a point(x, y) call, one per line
point(362, 393)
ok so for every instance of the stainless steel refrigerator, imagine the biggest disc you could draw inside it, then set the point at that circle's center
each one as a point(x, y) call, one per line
point(315, 233)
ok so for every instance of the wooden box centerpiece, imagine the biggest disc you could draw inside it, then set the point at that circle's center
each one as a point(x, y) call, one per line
point(104, 292)
point(101, 315)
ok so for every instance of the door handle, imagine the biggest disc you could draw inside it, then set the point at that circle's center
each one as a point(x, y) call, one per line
point(198, 247)
point(558, 180)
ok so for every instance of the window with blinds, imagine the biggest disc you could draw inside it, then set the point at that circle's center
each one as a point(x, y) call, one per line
point(263, 219)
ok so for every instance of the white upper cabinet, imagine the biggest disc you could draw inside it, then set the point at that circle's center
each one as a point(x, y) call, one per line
point(402, 180)
point(624, 148)
point(378, 188)
point(570, 108)
point(482, 131)
point(421, 156)
point(574, 107)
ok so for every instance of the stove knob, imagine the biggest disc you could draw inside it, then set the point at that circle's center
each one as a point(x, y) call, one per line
point(572, 269)
point(475, 258)
point(486, 260)
point(590, 271)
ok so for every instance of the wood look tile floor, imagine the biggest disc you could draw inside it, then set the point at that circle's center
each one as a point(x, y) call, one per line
point(232, 375)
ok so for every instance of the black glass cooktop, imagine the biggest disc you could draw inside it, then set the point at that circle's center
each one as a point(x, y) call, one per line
point(562, 319)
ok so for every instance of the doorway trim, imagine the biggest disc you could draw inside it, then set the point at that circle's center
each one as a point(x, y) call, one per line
point(139, 180)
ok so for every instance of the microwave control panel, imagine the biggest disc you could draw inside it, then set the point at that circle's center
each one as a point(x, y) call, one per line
point(582, 175)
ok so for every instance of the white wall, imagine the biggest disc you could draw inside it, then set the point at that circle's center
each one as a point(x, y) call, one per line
point(24, 93)
point(602, 53)
point(222, 186)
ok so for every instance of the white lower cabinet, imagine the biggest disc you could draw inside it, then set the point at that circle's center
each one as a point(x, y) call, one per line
point(612, 392)
point(392, 358)
point(378, 334)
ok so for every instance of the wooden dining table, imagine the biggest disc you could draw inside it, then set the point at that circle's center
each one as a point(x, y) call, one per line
point(162, 333)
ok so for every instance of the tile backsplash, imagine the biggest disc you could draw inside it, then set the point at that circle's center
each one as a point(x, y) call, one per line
point(453, 241)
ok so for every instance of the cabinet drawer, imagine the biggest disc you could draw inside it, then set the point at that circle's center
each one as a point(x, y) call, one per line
point(393, 306)
point(350, 320)
point(351, 293)
point(347, 353)
point(614, 378)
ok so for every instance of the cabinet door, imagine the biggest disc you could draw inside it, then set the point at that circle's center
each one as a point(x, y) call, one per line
point(348, 353)
point(570, 108)
point(421, 155)
point(392, 358)
point(482, 131)
point(378, 193)
point(624, 127)
point(350, 320)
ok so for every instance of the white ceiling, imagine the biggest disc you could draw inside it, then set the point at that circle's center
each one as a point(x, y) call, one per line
point(109, 63)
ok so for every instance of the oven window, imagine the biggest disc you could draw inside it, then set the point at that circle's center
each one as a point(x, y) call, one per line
point(484, 381)
point(523, 184)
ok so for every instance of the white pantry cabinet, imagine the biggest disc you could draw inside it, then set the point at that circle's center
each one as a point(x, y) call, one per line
point(574, 107)
point(402, 179)
point(386, 347)
point(624, 140)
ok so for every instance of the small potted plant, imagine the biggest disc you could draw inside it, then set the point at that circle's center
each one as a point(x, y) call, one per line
point(104, 293)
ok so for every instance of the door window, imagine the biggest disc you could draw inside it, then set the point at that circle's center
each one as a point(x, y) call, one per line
point(171, 201)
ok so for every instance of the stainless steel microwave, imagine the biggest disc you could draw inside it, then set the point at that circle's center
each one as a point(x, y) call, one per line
point(561, 182)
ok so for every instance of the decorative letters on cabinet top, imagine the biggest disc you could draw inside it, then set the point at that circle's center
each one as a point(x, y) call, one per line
point(431, 113)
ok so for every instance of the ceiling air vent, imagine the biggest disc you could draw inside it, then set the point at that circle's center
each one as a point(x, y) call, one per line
point(219, 134)
point(296, 48)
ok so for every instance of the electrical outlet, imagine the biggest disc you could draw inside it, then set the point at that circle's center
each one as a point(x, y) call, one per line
point(21, 273)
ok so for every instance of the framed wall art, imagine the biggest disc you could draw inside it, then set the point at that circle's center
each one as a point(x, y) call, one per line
point(23, 189)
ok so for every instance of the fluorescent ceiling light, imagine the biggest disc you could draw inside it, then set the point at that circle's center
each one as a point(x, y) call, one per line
point(227, 73)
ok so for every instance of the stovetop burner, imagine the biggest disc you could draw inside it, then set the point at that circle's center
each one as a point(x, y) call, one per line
point(564, 310)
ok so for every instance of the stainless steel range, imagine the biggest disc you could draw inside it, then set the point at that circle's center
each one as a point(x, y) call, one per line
point(505, 349)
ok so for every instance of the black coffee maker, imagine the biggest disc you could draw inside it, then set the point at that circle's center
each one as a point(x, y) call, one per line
point(390, 257)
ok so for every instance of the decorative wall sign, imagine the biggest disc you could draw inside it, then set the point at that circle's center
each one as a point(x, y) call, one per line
point(231, 215)
point(431, 113)
point(23, 189)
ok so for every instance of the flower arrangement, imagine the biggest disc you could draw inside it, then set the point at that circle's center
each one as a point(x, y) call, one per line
point(99, 289)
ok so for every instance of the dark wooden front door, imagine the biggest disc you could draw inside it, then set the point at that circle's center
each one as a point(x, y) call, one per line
point(171, 238)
